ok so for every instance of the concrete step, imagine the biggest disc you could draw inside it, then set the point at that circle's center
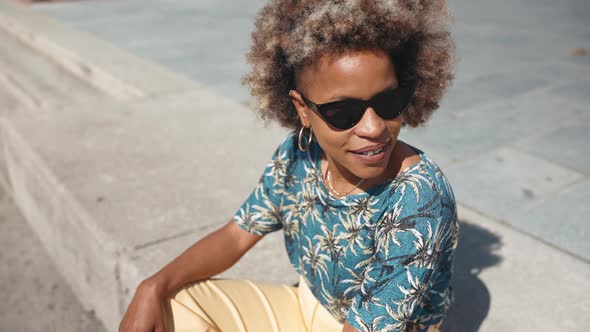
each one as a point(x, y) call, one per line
point(31, 286)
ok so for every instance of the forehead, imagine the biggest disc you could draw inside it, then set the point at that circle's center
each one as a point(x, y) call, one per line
point(358, 74)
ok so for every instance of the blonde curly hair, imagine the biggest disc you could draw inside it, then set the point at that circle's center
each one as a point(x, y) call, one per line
point(290, 34)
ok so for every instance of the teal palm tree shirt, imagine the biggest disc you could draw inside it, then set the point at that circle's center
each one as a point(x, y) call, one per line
point(381, 259)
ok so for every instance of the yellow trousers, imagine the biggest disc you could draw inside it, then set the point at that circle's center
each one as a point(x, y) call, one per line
point(220, 305)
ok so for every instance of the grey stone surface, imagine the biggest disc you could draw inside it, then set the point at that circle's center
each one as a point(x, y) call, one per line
point(8, 102)
point(162, 167)
point(505, 182)
point(32, 81)
point(507, 281)
point(575, 91)
point(81, 250)
point(35, 296)
point(561, 219)
point(110, 69)
point(566, 145)
point(205, 41)
point(109, 181)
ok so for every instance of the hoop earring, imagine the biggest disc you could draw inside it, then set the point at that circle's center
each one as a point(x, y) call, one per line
point(299, 140)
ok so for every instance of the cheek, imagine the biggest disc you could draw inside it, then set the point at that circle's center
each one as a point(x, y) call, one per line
point(330, 140)
point(394, 128)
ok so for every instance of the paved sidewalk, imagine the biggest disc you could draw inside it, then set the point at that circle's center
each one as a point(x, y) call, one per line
point(510, 134)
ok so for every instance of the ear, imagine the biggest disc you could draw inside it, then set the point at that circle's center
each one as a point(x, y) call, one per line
point(301, 107)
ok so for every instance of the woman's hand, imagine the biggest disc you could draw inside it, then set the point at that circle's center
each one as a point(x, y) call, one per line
point(215, 253)
point(145, 313)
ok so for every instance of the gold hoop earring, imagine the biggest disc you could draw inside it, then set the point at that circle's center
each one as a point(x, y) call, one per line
point(299, 139)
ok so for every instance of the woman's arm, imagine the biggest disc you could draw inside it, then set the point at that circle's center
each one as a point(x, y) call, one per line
point(209, 256)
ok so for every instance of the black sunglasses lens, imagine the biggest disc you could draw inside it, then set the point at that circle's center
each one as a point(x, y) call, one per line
point(390, 104)
point(343, 115)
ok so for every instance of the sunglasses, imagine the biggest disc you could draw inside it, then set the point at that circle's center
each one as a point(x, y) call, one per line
point(345, 114)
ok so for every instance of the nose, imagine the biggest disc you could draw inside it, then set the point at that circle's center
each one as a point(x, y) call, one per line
point(371, 125)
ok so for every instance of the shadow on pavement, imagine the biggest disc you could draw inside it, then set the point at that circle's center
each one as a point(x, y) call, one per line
point(476, 251)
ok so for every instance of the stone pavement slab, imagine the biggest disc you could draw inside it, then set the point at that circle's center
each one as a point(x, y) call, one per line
point(561, 220)
point(508, 281)
point(505, 182)
point(575, 91)
point(28, 75)
point(139, 169)
point(566, 144)
point(205, 40)
point(98, 63)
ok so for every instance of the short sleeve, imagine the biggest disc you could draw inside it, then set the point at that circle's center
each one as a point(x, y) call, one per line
point(411, 241)
point(261, 213)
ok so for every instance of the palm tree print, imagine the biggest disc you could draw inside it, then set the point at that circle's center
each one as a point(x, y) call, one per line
point(392, 225)
point(363, 208)
point(414, 293)
point(369, 327)
point(353, 234)
point(307, 204)
point(337, 305)
point(382, 260)
point(329, 241)
point(315, 259)
point(277, 168)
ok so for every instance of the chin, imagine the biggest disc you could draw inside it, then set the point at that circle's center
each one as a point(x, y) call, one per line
point(369, 172)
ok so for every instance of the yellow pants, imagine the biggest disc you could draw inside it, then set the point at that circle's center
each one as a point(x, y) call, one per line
point(220, 305)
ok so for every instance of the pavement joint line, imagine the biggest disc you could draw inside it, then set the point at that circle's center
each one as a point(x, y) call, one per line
point(164, 239)
point(474, 211)
point(475, 155)
point(535, 154)
point(101, 79)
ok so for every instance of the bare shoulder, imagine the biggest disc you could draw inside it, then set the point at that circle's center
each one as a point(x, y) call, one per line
point(409, 156)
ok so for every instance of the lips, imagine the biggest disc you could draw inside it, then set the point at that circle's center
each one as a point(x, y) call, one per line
point(371, 150)
point(371, 154)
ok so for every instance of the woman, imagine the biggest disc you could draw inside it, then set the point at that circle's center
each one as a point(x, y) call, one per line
point(369, 221)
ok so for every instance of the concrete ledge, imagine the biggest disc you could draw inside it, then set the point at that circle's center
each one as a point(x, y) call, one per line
point(118, 183)
point(115, 192)
point(77, 243)
point(112, 70)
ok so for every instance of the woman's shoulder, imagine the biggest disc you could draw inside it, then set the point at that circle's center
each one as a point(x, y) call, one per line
point(422, 185)
point(288, 161)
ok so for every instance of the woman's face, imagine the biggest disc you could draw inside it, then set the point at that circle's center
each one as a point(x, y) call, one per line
point(359, 75)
